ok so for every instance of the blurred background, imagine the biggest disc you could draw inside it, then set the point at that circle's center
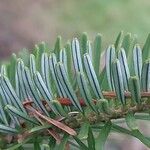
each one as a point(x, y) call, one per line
point(24, 23)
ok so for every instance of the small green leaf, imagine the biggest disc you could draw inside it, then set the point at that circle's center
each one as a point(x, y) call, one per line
point(69, 61)
point(24, 55)
point(92, 76)
point(4, 95)
point(29, 85)
point(41, 86)
point(39, 128)
point(102, 137)
point(118, 81)
point(16, 146)
point(6, 100)
point(2, 114)
point(45, 147)
point(21, 91)
point(109, 58)
point(8, 130)
point(45, 71)
point(63, 58)
point(84, 40)
point(11, 92)
point(134, 86)
point(59, 108)
point(126, 43)
point(52, 143)
point(135, 133)
point(91, 140)
point(145, 77)
point(20, 114)
point(137, 60)
point(36, 53)
point(39, 50)
point(103, 79)
point(12, 69)
point(36, 144)
point(32, 64)
point(85, 91)
point(118, 41)
point(124, 68)
point(82, 145)
point(57, 47)
point(130, 54)
point(141, 137)
point(52, 67)
point(103, 106)
point(131, 121)
point(146, 49)
point(63, 143)
point(97, 49)
point(4, 69)
point(67, 85)
point(76, 55)
point(42, 47)
point(89, 50)
point(83, 134)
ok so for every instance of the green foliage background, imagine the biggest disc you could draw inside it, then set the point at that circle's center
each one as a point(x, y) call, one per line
point(105, 16)
point(24, 23)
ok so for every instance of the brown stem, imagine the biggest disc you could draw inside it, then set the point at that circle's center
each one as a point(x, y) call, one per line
point(107, 95)
point(127, 94)
point(94, 118)
point(102, 116)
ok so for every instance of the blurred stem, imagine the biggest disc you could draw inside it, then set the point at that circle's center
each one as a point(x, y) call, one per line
point(135, 133)
point(142, 117)
point(73, 144)
point(141, 137)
